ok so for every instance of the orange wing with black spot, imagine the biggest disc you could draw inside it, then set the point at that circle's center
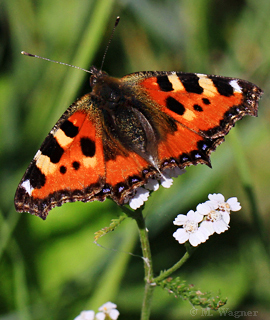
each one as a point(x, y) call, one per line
point(204, 108)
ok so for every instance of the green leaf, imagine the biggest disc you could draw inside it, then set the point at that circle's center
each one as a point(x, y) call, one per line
point(188, 292)
point(114, 224)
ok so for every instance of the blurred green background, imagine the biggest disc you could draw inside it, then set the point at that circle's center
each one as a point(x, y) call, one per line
point(52, 269)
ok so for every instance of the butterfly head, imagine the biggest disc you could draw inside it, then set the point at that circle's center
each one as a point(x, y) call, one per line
point(97, 74)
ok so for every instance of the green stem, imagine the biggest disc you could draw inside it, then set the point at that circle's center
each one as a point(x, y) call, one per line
point(167, 273)
point(148, 268)
point(150, 281)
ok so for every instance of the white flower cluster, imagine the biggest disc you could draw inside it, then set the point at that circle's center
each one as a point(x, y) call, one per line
point(142, 193)
point(210, 217)
point(107, 311)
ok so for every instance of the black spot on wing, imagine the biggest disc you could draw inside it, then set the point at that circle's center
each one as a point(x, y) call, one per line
point(196, 107)
point(52, 149)
point(190, 83)
point(69, 129)
point(222, 85)
point(164, 83)
point(35, 176)
point(88, 147)
point(63, 169)
point(76, 165)
point(175, 106)
point(206, 101)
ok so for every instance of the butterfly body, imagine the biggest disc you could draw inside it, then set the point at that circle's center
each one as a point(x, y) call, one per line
point(125, 131)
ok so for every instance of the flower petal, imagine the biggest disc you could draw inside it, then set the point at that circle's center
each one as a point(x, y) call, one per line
point(114, 314)
point(86, 315)
point(139, 198)
point(234, 204)
point(220, 226)
point(180, 220)
point(218, 197)
point(100, 316)
point(194, 216)
point(193, 240)
point(212, 204)
point(204, 208)
point(166, 181)
point(181, 235)
point(107, 306)
point(208, 225)
point(226, 217)
point(202, 234)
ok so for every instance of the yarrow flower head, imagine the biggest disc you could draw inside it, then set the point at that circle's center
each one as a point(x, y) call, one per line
point(218, 200)
point(210, 217)
point(142, 193)
point(108, 311)
point(191, 231)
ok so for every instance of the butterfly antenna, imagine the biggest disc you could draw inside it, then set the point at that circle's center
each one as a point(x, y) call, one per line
point(110, 40)
point(65, 64)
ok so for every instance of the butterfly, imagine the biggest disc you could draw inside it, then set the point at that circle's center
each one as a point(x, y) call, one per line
point(127, 131)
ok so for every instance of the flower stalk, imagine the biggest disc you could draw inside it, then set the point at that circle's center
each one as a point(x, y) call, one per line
point(165, 274)
point(150, 281)
point(148, 267)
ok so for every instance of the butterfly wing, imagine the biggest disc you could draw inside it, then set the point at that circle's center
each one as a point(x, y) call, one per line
point(204, 109)
point(69, 166)
point(80, 160)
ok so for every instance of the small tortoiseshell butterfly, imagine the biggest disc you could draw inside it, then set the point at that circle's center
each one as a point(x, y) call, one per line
point(125, 131)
